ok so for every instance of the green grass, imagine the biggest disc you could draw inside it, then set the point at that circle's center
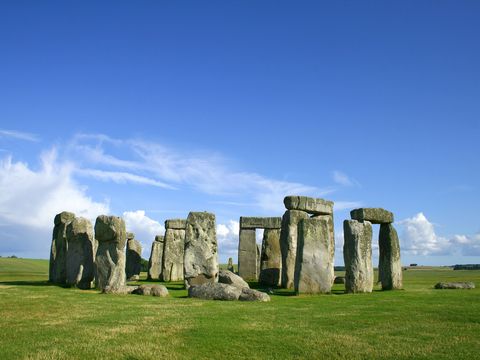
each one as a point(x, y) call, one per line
point(40, 321)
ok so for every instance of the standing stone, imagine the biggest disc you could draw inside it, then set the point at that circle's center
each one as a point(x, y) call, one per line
point(288, 245)
point(80, 259)
point(134, 258)
point(271, 258)
point(259, 256)
point(200, 259)
point(247, 254)
point(173, 251)
point(58, 251)
point(110, 260)
point(390, 266)
point(155, 262)
point(357, 254)
point(230, 265)
point(314, 271)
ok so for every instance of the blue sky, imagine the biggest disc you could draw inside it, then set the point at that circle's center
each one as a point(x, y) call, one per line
point(152, 109)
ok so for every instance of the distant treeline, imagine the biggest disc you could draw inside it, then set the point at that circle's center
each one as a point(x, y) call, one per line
point(339, 268)
point(467, 267)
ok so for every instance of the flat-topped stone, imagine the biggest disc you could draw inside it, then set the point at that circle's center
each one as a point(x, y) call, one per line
point(308, 204)
point(159, 238)
point(250, 222)
point(175, 224)
point(373, 215)
point(63, 218)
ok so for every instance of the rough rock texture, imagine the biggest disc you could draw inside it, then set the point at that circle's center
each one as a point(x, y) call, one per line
point(155, 261)
point(455, 285)
point(153, 290)
point(229, 278)
point(309, 205)
point(173, 251)
point(339, 280)
point(389, 266)
point(58, 250)
point(314, 271)
point(271, 258)
point(288, 245)
point(247, 254)
point(253, 295)
point(134, 258)
point(373, 215)
point(357, 254)
point(80, 257)
point(200, 258)
point(230, 265)
point(110, 259)
point(259, 256)
point(260, 222)
point(214, 291)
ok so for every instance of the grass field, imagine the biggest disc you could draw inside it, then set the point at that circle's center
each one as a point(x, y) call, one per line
point(41, 321)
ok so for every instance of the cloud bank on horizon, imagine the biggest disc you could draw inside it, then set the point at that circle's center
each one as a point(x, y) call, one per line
point(32, 195)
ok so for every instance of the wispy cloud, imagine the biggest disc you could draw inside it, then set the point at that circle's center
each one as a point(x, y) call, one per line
point(343, 179)
point(121, 177)
point(19, 135)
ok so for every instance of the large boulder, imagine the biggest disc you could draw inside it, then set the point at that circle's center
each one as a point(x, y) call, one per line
point(253, 295)
point(288, 245)
point(134, 258)
point(314, 272)
point(455, 285)
point(310, 205)
point(110, 259)
point(229, 278)
point(58, 250)
point(153, 290)
point(389, 266)
point(357, 255)
point(155, 262)
point(214, 291)
point(80, 268)
point(200, 257)
point(173, 251)
point(271, 258)
point(372, 215)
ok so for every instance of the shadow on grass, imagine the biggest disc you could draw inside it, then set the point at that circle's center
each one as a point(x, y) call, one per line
point(28, 283)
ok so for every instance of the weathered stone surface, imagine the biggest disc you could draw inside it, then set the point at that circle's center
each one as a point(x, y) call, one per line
point(259, 256)
point(200, 258)
point(455, 285)
point(80, 269)
point(357, 254)
point(155, 262)
point(229, 278)
point(230, 265)
point(214, 291)
point(314, 273)
point(247, 254)
point(310, 205)
point(389, 266)
point(58, 250)
point(127, 289)
point(288, 245)
point(248, 222)
point(110, 259)
point(339, 280)
point(134, 258)
point(271, 258)
point(253, 295)
point(130, 236)
point(153, 290)
point(373, 215)
point(178, 224)
point(173, 251)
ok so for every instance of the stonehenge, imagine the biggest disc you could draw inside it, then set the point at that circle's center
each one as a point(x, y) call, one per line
point(200, 256)
point(134, 258)
point(173, 251)
point(248, 252)
point(271, 258)
point(58, 250)
point(156, 259)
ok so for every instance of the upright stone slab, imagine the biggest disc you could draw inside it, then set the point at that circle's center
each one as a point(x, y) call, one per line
point(357, 254)
point(372, 215)
point(288, 245)
point(230, 265)
point(173, 252)
point(259, 255)
point(271, 258)
point(155, 262)
point(390, 266)
point(200, 259)
point(110, 260)
point(310, 205)
point(58, 250)
point(314, 273)
point(134, 258)
point(247, 254)
point(80, 269)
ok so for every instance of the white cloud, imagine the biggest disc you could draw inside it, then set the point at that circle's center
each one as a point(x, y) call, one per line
point(469, 244)
point(343, 179)
point(19, 135)
point(227, 237)
point(144, 227)
point(121, 177)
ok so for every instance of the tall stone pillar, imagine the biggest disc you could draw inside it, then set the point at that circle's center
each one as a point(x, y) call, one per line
point(134, 258)
point(271, 258)
point(80, 269)
point(247, 254)
point(155, 262)
point(173, 252)
point(58, 250)
point(390, 266)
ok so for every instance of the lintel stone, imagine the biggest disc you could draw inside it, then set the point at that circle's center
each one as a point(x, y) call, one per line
point(177, 224)
point(373, 215)
point(260, 222)
point(310, 205)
